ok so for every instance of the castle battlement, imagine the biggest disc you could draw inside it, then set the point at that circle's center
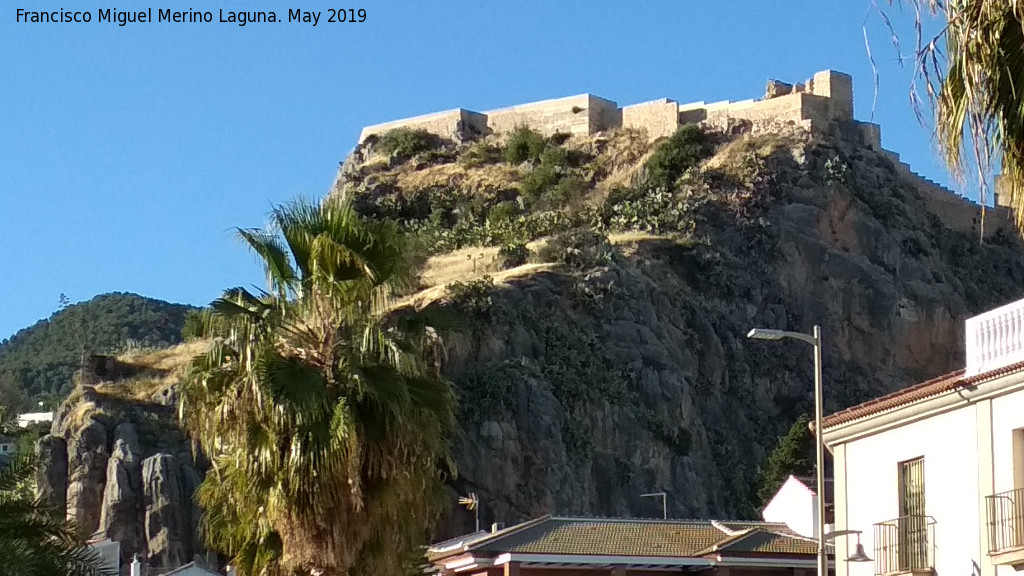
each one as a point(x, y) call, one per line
point(825, 98)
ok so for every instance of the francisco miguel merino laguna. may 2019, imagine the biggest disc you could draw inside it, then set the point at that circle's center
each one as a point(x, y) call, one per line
point(240, 18)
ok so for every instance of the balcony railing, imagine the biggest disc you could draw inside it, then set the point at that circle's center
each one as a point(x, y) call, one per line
point(995, 338)
point(905, 544)
point(1005, 520)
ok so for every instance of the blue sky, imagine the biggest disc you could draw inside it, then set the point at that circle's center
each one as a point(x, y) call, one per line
point(128, 154)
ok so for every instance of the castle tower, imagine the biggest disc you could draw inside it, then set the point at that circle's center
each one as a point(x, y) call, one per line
point(839, 88)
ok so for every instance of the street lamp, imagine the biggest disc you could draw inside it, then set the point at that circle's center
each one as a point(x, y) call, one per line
point(858, 555)
point(815, 341)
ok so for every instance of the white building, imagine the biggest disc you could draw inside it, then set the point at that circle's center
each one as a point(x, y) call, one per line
point(34, 417)
point(934, 474)
point(109, 552)
point(796, 505)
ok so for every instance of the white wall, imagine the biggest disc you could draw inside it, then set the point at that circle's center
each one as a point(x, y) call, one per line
point(1007, 416)
point(796, 506)
point(867, 470)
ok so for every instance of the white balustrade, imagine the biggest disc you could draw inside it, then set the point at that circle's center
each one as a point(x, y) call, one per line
point(995, 339)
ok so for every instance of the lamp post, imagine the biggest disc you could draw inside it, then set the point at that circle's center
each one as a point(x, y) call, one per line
point(815, 341)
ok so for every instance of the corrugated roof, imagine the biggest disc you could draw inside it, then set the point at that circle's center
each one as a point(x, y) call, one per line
point(633, 537)
point(915, 393)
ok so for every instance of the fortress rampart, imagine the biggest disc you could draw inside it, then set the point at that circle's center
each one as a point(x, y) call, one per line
point(821, 102)
point(825, 98)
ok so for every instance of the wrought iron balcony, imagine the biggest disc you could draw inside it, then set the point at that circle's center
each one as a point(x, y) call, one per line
point(1005, 521)
point(905, 544)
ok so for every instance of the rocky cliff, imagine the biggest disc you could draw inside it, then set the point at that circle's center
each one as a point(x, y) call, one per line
point(607, 287)
point(616, 364)
point(117, 461)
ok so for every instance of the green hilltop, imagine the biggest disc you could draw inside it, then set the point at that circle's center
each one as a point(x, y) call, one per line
point(38, 362)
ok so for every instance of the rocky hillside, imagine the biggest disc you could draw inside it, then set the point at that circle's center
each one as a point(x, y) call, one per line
point(610, 285)
point(607, 285)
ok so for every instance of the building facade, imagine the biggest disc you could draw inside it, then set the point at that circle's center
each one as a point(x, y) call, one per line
point(934, 474)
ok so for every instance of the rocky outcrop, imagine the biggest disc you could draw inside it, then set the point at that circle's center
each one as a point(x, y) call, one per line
point(52, 474)
point(167, 511)
point(120, 513)
point(124, 470)
point(87, 474)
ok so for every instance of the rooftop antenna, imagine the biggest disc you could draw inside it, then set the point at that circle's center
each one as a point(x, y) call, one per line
point(471, 502)
point(664, 502)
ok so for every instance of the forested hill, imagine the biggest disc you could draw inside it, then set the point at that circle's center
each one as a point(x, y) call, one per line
point(37, 363)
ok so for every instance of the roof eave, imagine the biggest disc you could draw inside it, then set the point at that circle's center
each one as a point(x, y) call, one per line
point(965, 390)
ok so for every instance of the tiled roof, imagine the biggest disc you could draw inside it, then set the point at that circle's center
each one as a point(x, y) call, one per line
point(917, 392)
point(759, 541)
point(632, 537)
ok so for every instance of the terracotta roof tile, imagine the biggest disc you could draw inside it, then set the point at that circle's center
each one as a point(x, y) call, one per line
point(915, 393)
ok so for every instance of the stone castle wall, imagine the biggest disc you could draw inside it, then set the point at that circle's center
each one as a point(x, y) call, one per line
point(659, 118)
point(582, 114)
point(825, 98)
point(956, 211)
point(441, 123)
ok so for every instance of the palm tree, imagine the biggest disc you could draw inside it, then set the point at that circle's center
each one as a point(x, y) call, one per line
point(35, 540)
point(977, 86)
point(325, 424)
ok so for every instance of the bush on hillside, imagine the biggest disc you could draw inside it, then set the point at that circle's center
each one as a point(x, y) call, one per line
point(559, 138)
point(682, 151)
point(404, 143)
point(579, 248)
point(567, 191)
point(481, 154)
point(538, 181)
point(524, 145)
point(503, 211)
point(552, 183)
point(513, 255)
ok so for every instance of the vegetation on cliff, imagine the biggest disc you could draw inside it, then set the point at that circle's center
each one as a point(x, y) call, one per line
point(323, 419)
